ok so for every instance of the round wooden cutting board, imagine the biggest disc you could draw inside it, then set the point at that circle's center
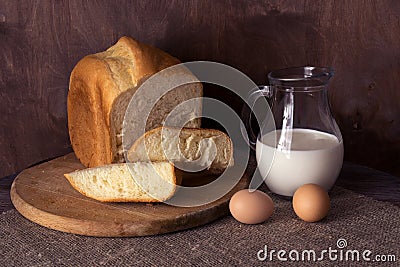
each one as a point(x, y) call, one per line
point(44, 196)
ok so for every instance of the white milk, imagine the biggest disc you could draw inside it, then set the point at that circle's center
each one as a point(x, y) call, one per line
point(314, 157)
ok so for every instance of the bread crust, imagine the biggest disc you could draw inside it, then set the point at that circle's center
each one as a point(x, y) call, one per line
point(95, 83)
point(196, 131)
point(87, 120)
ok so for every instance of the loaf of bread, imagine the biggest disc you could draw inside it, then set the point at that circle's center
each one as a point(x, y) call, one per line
point(126, 182)
point(101, 87)
point(206, 148)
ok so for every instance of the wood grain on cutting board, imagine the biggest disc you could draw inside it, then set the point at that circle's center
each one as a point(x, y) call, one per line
point(44, 196)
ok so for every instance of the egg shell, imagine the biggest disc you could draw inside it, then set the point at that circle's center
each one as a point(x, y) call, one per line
point(251, 207)
point(311, 202)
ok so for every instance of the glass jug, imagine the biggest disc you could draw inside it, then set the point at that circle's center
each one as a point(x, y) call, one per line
point(306, 145)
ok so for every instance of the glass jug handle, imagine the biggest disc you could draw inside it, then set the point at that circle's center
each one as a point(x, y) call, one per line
point(247, 132)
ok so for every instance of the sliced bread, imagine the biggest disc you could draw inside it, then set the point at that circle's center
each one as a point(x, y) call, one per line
point(208, 148)
point(132, 182)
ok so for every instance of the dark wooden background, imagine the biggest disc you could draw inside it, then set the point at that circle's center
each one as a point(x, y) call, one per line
point(41, 41)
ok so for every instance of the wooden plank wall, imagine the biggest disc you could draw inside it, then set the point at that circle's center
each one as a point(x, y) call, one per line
point(40, 41)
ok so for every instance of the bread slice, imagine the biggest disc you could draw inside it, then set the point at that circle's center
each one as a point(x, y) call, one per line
point(192, 144)
point(102, 85)
point(132, 182)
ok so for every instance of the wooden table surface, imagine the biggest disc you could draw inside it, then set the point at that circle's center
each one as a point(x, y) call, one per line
point(370, 182)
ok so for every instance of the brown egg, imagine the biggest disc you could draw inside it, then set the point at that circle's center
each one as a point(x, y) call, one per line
point(251, 208)
point(311, 202)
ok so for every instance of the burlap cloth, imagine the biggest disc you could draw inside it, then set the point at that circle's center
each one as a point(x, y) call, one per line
point(364, 224)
